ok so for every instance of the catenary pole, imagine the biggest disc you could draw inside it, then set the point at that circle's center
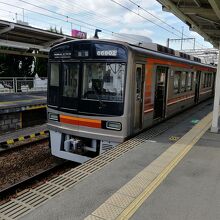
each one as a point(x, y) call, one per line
point(214, 127)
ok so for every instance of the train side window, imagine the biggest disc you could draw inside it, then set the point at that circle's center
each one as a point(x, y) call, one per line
point(183, 81)
point(189, 81)
point(176, 82)
point(203, 80)
point(54, 74)
point(210, 79)
point(206, 79)
point(138, 79)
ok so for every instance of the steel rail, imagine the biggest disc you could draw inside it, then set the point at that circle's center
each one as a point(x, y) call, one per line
point(24, 184)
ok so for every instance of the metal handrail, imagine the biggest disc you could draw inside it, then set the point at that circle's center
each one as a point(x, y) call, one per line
point(22, 84)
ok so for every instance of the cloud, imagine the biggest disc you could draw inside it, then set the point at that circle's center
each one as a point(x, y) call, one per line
point(141, 32)
point(88, 15)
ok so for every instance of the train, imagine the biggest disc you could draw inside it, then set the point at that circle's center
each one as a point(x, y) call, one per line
point(101, 92)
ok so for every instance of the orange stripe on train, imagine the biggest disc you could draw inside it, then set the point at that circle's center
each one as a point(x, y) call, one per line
point(80, 121)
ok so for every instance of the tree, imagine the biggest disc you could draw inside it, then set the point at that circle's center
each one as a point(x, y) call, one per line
point(54, 30)
point(15, 65)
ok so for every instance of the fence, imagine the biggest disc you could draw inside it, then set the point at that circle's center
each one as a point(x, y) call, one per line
point(22, 84)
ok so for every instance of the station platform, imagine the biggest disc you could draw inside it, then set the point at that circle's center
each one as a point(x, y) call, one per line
point(21, 134)
point(21, 110)
point(170, 171)
point(16, 102)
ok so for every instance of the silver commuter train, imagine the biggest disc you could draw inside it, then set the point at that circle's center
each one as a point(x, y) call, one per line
point(101, 92)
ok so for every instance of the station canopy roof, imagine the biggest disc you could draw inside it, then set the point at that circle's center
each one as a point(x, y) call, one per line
point(16, 38)
point(202, 16)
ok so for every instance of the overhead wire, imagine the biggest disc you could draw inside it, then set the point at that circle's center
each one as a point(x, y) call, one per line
point(71, 18)
point(92, 13)
point(86, 25)
point(164, 22)
point(139, 6)
point(125, 7)
point(87, 12)
point(27, 17)
point(105, 31)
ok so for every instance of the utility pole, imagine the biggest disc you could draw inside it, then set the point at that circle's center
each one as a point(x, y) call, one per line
point(23, 14)
point(181, 41)
point(181, 47)
point(168, 42)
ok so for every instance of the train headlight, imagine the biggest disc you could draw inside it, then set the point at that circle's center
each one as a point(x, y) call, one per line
point(53, 117)
point(113, 125)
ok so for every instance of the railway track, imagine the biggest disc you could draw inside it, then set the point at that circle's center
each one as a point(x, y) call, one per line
point(7, 146)
point(35, 180)
point(27, 164)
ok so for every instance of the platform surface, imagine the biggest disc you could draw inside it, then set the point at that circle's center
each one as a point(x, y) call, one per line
point(8, 101)
point(22, 132)
point(191, 190)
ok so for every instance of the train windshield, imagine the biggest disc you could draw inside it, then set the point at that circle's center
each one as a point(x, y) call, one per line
point(88, 77)
point(70, 80)
point(103, 81)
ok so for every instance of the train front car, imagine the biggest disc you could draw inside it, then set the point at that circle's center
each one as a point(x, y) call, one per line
point(86, 98)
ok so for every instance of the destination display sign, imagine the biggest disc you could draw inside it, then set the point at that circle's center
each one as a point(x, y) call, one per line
point(88, 50)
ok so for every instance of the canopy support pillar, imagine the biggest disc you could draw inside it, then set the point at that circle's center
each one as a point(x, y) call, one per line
point(215, 116)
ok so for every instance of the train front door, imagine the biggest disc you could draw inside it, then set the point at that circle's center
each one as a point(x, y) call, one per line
point(197, 86)
point(139, 85)
point(160, 92)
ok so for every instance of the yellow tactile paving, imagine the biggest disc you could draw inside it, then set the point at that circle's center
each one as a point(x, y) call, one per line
point(107, 211)
point(145, 182)
point(120, 200)
point(146, 176)
point(131, 189)
point(92, 217)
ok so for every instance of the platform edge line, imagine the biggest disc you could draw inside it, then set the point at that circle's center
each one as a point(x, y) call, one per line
point(133, 207)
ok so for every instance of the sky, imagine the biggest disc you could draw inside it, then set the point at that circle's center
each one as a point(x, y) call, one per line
point(113, 17)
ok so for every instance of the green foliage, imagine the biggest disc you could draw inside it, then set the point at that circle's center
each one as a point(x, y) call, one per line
point(22, 66)
point(54, 30)
point(15, 65)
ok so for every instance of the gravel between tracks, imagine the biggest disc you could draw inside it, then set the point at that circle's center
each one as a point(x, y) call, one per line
point(24, 163)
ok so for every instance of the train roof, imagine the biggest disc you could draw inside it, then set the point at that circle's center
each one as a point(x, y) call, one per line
point(150, 49)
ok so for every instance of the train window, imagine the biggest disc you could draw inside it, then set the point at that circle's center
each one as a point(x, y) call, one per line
point(177, 82)
point(183, 81)
point(161, 73)
point(206, 79)
point(54, 74)
point(138, 79)
point(210, 80)
point(70, 80)
point(103, 81)
point(203, 80)
point(189, 80)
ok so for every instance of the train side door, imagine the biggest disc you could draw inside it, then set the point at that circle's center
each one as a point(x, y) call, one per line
point(197, 86)
point(139, 85)
point(160, 92)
